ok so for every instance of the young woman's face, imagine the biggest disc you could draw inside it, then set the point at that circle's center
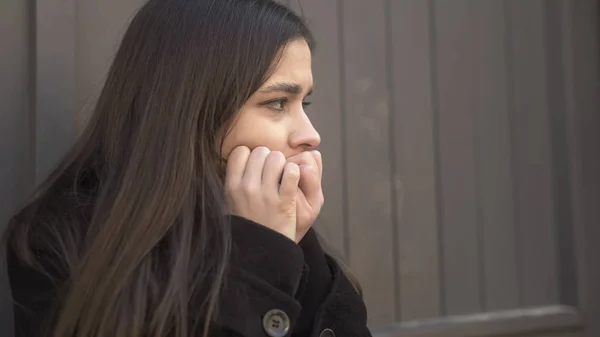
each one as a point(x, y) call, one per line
point(274, 116)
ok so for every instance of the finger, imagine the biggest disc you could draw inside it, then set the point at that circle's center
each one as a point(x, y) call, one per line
point(236, 165)
point(254, 167)
point(303, 159)
point(319, 161)
point(310, 184)
point(301, 199)
point(310, 176)
point(273, 170)
point(289, 181)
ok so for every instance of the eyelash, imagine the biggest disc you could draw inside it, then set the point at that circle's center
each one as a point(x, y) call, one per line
point(283, 102)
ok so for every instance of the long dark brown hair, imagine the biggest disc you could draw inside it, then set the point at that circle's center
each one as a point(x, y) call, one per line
point(133, 216)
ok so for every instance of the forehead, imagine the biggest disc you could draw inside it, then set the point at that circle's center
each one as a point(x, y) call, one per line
point(294, 65)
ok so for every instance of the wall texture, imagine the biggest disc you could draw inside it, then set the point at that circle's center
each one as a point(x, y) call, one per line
point(452, 147)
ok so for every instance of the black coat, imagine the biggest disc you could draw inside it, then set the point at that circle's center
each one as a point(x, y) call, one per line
point(275, 288)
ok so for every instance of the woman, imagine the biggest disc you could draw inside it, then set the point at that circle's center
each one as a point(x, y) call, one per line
point(185, 208)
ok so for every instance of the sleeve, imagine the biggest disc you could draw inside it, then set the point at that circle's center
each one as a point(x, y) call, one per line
point(329, 300)
point(317, 286)
point(266, 271)
point(343, 311)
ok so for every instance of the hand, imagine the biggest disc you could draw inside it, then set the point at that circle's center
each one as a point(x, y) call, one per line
point(261, 186)
point(310, 197)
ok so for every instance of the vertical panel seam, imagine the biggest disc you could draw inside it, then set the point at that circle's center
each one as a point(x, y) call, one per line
point(344, 135)
point(567, 67)
point(511, 104)
point(479, 226)
point(551, 141)
point(436, 147)
point(392, 155)
point(32, 89)
point(559, 151)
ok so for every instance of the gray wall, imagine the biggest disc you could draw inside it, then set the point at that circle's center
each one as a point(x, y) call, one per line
point(460, 140)
point(452, 149)
point(15, 142)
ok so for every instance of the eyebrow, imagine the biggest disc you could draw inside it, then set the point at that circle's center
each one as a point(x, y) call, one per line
point(290, 88)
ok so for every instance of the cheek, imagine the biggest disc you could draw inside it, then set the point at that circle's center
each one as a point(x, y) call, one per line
point(255, 133)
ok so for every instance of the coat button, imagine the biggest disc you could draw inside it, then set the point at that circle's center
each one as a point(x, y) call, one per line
point(276, 323)
point(327, 333)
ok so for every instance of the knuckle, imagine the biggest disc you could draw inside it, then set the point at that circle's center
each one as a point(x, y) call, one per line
point(292, 170)
point(320, 204)
point(249, 188)
point(240, 151)
point(277, 156)
point(306, 155)
point(314, 170)
point(261, 150)
point(318, 157)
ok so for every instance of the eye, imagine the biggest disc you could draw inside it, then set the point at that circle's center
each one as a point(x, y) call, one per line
point(278, 104)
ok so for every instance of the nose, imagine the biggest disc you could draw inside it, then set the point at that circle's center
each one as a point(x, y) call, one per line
point(304, 136)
